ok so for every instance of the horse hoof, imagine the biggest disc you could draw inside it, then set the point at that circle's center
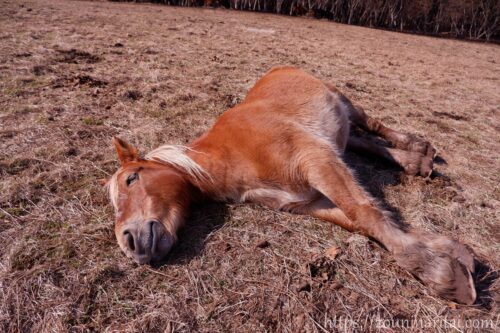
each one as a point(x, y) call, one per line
point(423, 147)
point(442, 265)
point(418, 164)
point(426, 166)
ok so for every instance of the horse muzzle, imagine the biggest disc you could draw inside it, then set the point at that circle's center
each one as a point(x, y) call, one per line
point(147, 242)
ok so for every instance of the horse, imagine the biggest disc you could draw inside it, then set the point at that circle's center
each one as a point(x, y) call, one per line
point(282, 147)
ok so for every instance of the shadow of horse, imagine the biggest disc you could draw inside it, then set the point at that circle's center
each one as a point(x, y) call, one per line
point(205, 219)
point(484, 279)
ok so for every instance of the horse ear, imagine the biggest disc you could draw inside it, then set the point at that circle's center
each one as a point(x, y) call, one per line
point(126, 152)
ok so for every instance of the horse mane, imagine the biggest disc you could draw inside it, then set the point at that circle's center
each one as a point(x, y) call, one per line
point(112, 186)
point(173, 155)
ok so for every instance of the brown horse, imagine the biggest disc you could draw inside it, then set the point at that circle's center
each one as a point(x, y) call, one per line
point(281, 147)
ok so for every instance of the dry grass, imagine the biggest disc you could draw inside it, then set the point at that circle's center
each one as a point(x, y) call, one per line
point(73, 74)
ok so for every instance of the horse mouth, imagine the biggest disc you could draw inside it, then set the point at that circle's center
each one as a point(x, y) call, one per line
point(148, 259)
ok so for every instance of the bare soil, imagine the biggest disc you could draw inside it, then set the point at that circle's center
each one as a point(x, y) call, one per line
point(74, 74)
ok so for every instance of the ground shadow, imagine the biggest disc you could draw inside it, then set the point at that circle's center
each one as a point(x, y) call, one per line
point(204, 219)
point(374, 174)
point(484, 278)
point(440, 160)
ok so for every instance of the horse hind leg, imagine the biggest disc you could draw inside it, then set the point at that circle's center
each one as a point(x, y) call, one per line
point(413, 163)
point(397, 139)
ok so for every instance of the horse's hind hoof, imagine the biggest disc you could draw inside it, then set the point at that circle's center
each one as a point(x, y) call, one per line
point(418, 164)
point(423, 147)
point(426, 166)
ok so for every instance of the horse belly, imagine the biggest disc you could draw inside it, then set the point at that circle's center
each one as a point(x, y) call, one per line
point(279, 199)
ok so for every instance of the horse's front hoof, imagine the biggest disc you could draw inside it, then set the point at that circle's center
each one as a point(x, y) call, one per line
point(441, 264)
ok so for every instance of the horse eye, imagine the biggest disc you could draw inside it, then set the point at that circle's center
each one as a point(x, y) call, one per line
point(132, 178)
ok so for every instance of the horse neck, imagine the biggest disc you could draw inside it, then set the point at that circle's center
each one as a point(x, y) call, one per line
point(210, 159)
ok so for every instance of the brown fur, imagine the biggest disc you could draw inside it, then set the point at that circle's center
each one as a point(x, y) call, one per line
point(282, 147)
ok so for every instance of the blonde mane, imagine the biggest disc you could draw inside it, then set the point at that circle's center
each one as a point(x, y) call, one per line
point(176, 156)
point(112, 186)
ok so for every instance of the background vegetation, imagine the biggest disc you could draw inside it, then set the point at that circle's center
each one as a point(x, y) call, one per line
point(472, 19)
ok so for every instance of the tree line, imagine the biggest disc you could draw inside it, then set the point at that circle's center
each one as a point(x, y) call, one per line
point(471, 19)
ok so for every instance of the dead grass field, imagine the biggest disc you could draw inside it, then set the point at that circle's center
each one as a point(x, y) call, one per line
point(74, 74)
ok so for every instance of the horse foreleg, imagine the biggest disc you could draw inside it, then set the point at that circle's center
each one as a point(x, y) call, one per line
point(322, 208)
point(441, 263)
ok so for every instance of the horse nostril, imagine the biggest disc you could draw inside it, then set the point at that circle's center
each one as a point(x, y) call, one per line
point(153, 227)
point(129, 238)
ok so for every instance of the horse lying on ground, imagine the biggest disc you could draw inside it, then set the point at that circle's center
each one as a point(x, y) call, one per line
point(282, 147)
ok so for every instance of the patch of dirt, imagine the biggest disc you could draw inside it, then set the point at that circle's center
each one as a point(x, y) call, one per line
point(449, 115)
point(92, 82)
point(79, 80)
point(75, 73)
point(74, 56)
point(39, 70)
point(323, 268)
point(133, 95)
point(16, 166)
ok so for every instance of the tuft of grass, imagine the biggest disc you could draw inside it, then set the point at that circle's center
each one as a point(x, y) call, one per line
point(92, 121)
